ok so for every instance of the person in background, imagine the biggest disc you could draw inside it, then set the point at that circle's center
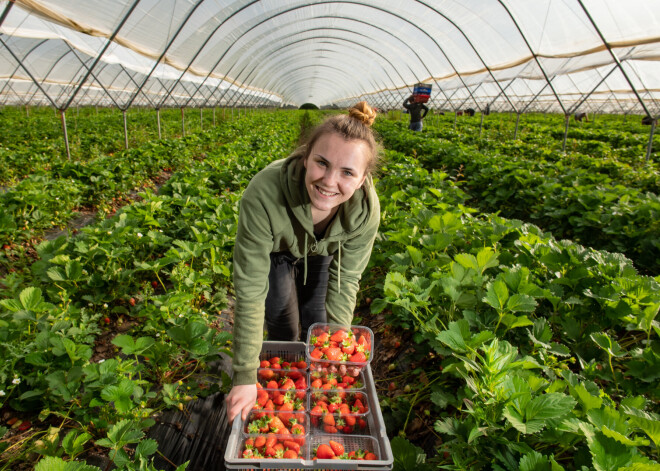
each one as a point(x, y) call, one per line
point(417, 113)
point(306, 229)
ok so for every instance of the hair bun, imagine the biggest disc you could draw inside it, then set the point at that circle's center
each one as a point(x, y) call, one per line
point(363, 113)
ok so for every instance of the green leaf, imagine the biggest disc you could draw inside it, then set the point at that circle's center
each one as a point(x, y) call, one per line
point(52, 463)
point(130, 346)
point(585, 398)
point(497, 295)
point(637, 441)
point(550, 406)
point(521, 303)
point(120, 394)
point(486, 258)
point(534, 461)
point(415, 255)
point(467, 260)
point(607, 453)
point(408, 457)
point(146, 448)
point(650, 427)
point(31, 298)
point(606, 343)
point(455, 335)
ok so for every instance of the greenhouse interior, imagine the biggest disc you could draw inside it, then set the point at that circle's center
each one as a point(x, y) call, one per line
point(496, 309)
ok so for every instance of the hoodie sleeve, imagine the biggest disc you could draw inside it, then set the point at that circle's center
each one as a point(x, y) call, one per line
point(254, 240)
point(355, 253)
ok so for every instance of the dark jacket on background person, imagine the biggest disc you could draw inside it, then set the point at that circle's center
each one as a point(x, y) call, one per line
point(415, 110)
point(275, 216)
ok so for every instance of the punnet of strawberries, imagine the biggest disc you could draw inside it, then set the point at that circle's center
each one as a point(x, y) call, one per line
point(280, 400)
point(329, 344)
point(272, 446)
point(333, 450)
point(287, 424)
point(339, 412)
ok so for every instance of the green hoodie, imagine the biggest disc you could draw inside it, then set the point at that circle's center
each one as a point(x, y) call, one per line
point(275, 216)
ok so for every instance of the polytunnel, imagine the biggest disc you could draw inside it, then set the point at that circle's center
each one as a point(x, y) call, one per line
point(507, 55)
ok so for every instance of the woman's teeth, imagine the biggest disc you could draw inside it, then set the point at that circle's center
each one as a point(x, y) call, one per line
point(325, 193)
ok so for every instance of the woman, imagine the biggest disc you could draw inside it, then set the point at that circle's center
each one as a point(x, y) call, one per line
point(306, 228)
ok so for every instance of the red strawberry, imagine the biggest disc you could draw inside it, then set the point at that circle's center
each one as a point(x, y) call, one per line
point(324, 452)
point(260, 441)
point(290, 455)
point(316, 354)
point(337, 448)
point(339, 336)
point(132, 301)
point(370, 456)
point(154, 284)
point(358, 357)
point(334, 354)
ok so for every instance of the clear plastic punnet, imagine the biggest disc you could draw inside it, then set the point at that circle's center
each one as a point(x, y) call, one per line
point(339, 412)
point(335, 348)
point(354, 447)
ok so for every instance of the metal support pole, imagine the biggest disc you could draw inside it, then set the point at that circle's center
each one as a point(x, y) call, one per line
point(66, 134)
point(650, 146)
point(567, 118)
point(125, 129)
point(183, 124)
point(158, 120)
point(515, 133)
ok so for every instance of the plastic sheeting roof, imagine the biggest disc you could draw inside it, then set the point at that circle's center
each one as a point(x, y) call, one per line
point(514, 55)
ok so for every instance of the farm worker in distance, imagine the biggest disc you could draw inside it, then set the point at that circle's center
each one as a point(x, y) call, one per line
point(306, 228)
point(415, 110)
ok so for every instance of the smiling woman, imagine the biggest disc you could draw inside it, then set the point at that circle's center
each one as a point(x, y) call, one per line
point(306, 227)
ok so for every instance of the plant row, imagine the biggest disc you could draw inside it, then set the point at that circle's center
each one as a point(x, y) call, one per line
point(569, 201)
point(529, 352)
point(119, 322)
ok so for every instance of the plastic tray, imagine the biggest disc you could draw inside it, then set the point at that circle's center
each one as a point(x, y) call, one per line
point(377, 433)
point(319, 364)
point(288, 351)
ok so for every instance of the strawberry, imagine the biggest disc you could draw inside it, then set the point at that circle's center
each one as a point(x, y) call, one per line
point(262, 397)
point(333, 354)
point(370, 456)
point(260, 441)
point(272, 384)
point(291, 445)
point(339, 336)
point(301, 365)
point(358, 357)
point(154, 284)
point(328, 419)
point(290, 455)
point(132, 301)
point(324, 452)
point(337, 448)
point(317, 354)
point(348, 347)
point(265, 364)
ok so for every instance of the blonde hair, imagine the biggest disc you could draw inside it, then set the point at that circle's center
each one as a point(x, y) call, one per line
point(356, 125)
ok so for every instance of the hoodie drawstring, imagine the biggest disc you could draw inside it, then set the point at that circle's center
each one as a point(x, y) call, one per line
point(339, 271)
point(338, 267)
point(305, 270)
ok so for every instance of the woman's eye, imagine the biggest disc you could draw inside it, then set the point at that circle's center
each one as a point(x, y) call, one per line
point(348, 174)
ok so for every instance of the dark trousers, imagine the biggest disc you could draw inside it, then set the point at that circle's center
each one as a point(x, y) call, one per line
point(291, 303)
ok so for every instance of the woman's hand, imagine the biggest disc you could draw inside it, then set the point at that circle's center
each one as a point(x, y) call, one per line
point(241, 400)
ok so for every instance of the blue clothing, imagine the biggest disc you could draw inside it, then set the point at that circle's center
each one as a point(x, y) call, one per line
point(415, 126)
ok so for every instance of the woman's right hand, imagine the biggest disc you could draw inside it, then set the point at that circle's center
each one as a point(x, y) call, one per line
point(241, 400)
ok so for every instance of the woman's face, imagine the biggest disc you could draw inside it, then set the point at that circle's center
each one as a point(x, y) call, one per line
point(335, 169)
